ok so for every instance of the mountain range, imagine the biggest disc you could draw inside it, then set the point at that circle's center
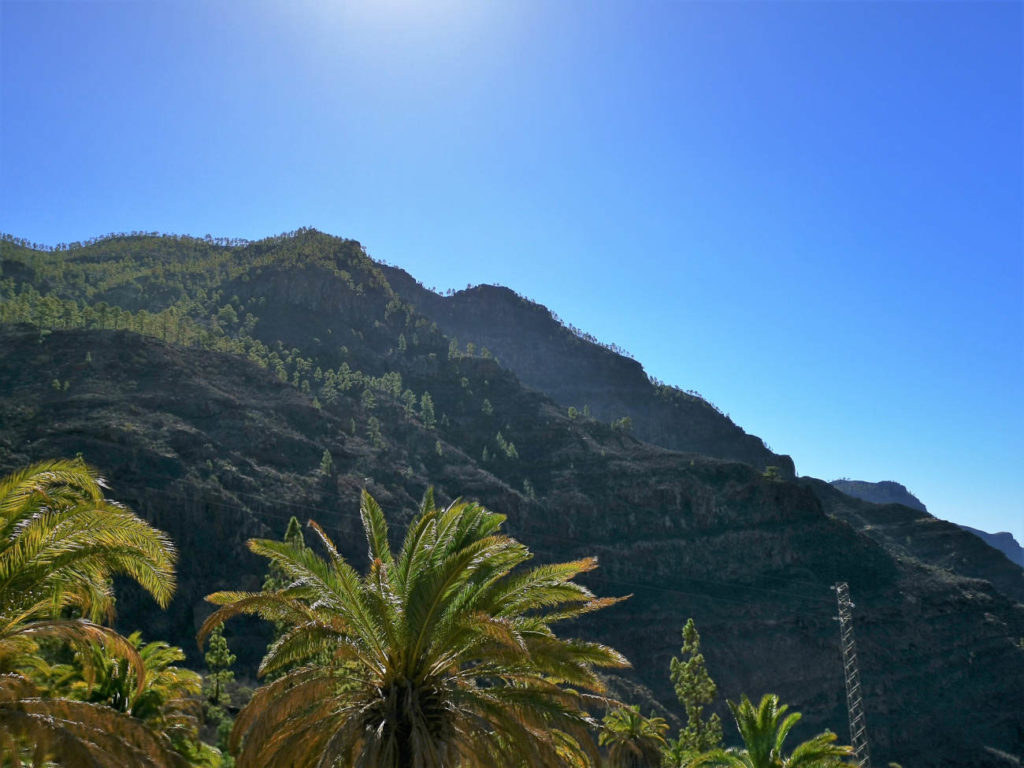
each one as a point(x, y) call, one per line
point(224, 386)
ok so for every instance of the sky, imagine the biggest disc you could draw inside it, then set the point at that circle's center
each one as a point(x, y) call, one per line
point(811, 212)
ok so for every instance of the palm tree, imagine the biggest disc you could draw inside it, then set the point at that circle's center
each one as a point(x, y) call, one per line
point(61, 542)
point(442, 654)
point(763, 730)
point(167, 699)
point(634, 741)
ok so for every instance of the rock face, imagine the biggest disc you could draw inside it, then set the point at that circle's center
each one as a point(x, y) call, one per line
point(218, 446)
point(885, 492)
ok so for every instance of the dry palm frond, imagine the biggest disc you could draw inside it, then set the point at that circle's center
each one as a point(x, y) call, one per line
point(76, 732)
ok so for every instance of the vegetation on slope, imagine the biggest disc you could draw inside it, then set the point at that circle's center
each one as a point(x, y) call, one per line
point(218, 429)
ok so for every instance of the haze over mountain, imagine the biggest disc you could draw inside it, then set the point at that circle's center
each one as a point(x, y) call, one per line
point(224, 386)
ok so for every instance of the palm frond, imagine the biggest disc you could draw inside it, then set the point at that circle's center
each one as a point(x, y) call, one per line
point(80, 733)
point(376, 529)
point(61, 543)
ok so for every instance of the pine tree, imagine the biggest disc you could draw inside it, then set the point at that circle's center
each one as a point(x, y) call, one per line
point(695, 689)
point(409, 401)
point(427, 411)
point(219, 660)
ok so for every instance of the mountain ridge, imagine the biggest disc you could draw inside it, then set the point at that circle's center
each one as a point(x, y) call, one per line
point(533, 343)
point(526, 336)
point(1003, 541)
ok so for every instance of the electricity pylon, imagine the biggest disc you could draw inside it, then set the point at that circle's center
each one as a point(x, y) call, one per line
point(854, 699)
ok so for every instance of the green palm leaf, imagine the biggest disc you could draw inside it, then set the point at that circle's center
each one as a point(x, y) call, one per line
point(764, 730)
point(61, 543)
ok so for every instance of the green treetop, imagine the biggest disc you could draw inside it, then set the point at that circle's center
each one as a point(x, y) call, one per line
point(695, 690)
point(219, 660)
point(764, 729)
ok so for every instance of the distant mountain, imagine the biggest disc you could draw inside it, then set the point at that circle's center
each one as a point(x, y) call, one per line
point(948, 548)
point(222, 387)
point(885, 492)
point(1002, 541)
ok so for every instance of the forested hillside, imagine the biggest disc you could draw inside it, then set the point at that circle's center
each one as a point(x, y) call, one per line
point(222, 387)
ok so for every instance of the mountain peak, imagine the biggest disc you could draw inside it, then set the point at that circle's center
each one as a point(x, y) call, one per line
point(884, 492)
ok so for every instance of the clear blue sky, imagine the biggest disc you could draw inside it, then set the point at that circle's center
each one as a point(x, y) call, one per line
point(811, 212)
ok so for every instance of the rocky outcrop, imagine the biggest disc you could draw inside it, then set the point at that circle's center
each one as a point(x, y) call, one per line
point(885, 492)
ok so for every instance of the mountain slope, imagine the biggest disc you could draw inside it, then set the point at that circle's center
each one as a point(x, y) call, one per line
point(911, 533)
point(750, 559)
point(576, 371)
point(898, 520)
point(1003, 541)
point(579, 372)
point(888, 492)
point(219, 432)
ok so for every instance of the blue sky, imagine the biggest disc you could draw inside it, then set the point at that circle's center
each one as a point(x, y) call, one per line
point(810, 212)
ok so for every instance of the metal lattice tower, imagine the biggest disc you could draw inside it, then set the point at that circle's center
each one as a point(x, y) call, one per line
point(854, 701)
